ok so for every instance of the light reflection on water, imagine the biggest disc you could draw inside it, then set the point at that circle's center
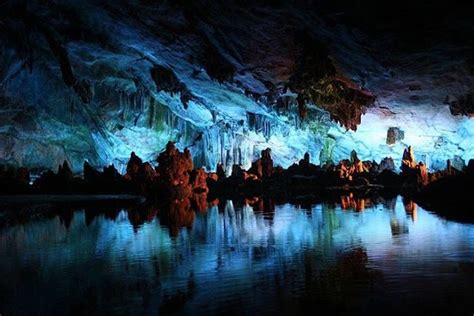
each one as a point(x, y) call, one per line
point(390, 257)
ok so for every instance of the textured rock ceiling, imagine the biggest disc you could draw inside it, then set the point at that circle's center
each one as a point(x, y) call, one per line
point(98, 79)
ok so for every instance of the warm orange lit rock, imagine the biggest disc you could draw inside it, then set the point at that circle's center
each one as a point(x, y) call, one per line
point(408, 159)
point(199, 202)
point(174, 166)
point(410, 209)
point(198, 180)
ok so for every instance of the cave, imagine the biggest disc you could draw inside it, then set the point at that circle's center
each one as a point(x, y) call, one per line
point(300, 152)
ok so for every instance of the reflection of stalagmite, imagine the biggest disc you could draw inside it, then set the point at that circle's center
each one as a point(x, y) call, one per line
point(66, 216)
point(350, 202)
point(139, 216)
point(199, 202)
point(345, 202)
point(410, 209)
point(261, 204)
point(397, 228)
point(177, 213)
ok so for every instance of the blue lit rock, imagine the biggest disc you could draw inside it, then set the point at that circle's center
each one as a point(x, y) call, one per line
point(230, 84)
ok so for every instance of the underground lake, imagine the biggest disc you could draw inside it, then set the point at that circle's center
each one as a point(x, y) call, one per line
point(236, 258)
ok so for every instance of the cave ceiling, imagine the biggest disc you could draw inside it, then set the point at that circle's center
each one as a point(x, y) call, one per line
point(97, 79)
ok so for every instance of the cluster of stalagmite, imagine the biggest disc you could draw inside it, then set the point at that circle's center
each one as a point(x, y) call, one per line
point(175, 175)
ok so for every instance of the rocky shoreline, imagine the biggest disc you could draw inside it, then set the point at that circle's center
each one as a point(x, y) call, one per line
point(175, 178)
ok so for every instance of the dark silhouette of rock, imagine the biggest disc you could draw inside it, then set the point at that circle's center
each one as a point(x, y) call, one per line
point(263, 167)
point(450, 195)
point(267, 164)
point(449, 168)
point(470, 166)
point(304, 163)
point(354, 157)
point(388, 178)
point(394, 134)
point(387, 164)
point(147, 173)
point(65, 171)
point(422, 173)
point(61, 182)
point(106, 182)
point(133, 165)
point(237, 172)
point(14, 180)
point(142, 175)
point(90, 174)
point(463, 106)
point(111, 173)
point(220, 171)
point(303, 168)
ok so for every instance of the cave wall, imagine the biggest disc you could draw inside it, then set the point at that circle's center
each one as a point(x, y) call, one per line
point(81, 81)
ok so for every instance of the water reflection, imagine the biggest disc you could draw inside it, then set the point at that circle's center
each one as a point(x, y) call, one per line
point(236, 256)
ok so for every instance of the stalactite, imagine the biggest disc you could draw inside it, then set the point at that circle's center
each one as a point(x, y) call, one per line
point(259, 124)
point(151, 112)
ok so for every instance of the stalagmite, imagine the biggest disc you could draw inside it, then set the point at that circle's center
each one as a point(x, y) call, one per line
point(408, 159)
point(263, 167)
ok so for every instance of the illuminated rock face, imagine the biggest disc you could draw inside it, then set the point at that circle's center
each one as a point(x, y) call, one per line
point(103, 83)
point(434, 134)
point(174, 166)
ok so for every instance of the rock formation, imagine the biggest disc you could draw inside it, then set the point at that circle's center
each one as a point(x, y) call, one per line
point(13, 180)
point(177, 213)
point(133, 166)
point(174, 166)
point(408, 159)
point(284, 82)
point(263, 167)
point(394, 134)
point(412, 172)
point(387, 164)
point(175, 179)
point(62, 181)
point(198, 180)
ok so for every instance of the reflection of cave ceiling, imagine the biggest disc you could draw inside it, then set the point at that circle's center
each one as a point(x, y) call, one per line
point(97, 80)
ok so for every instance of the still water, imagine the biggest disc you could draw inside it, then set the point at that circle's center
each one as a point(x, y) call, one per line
point(384, 259)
